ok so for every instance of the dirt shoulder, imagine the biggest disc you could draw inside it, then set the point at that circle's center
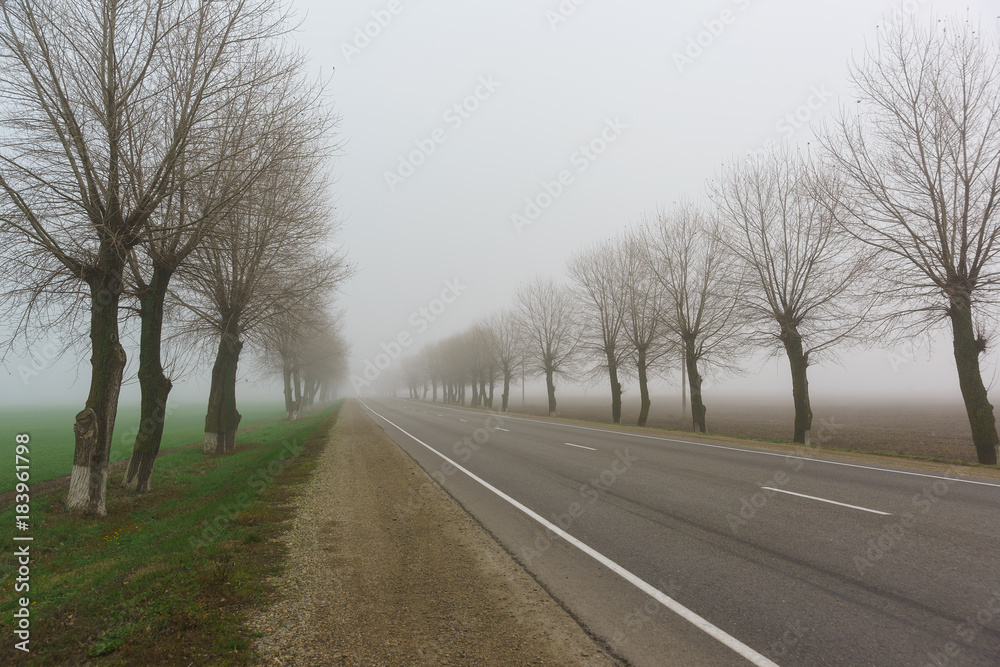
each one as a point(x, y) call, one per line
point(366, 584)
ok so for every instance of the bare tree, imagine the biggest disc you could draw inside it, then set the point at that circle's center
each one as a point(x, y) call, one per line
point(430, 361)
point(102, 99)
point(808, 290)
point(548, 326)
point(255, 127)
point(599, 287)
point(482, 372)
point(642, 308)
point(701, 289)
point(264, 258)
point(921, 162)
point(458, 367)
point(323, 362)
point(304, 346)
point(507, 349)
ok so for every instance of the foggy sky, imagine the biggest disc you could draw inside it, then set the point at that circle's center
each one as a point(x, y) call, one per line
point(508, 95)
point(560, 83)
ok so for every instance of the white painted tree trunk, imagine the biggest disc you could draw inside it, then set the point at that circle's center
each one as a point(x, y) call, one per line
point(79, 489)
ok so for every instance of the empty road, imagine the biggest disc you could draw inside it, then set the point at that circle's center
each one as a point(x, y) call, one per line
point(679, 552)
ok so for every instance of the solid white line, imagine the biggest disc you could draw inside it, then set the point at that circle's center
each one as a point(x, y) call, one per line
point(824, 500)
point(580, 446)
point(746, 451)
point(679, 609)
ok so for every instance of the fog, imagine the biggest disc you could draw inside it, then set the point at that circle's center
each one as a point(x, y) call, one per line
point(556, 85)
point(457, 117)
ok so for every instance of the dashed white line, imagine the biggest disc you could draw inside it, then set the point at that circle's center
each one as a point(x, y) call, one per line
point(502, 429)
point(464, 420)
point(758, 452)
point(824, 500)
point(702, 624)
point(593, 449)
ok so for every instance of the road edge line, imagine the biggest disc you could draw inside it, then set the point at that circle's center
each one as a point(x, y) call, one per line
point(702, 624)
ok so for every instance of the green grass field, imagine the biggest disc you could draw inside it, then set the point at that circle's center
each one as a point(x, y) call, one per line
point(165, 578)
point(51, 432)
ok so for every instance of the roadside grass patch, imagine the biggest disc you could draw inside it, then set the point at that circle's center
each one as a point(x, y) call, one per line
point(52, 443)
point(142, 585)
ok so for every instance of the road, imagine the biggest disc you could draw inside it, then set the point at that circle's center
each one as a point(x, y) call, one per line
point(679, 552)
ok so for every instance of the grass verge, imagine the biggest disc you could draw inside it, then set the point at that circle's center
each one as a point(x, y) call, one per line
point(164, 578)
point(52, 440)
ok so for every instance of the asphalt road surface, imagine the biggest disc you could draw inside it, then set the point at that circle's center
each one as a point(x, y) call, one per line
point(685, 553)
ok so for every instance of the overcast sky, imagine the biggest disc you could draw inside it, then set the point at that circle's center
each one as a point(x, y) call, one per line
point(560, 76)
point(455, 115)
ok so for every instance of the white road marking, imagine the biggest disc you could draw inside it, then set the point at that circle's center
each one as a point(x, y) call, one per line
point(502, 429)
point(747, 451)
point(580, 446)
point(668, 602)
point(464, 420)
point(824, 500)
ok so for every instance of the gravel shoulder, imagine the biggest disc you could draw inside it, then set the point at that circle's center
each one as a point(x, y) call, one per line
point(372, 580)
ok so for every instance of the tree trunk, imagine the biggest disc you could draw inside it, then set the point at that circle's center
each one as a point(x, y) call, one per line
point(222, 419)
point(800, 384)
point(153, 383)
point(506, 393)
point(291, 405)
point(684, 386)
point(489, 402)
point(694, 381)
point(297, 385)
point(551, 387)
point(95, 424)
point(616, 389)
point(312, 386)
point(977, 404)
point(643, 389)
